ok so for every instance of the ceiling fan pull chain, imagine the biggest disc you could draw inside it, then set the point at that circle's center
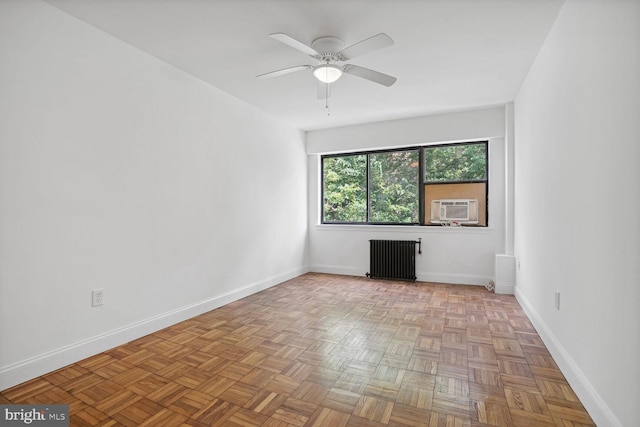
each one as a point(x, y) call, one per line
point(326, 100)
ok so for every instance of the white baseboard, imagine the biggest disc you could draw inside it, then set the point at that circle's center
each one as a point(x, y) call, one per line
point(33, 367)
point(590, 398)
point(335, 269)
point(455, 279)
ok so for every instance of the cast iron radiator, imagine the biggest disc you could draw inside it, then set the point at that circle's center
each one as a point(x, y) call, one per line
point(393, 259)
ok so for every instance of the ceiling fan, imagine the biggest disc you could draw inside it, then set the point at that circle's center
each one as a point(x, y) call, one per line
point(328, 52)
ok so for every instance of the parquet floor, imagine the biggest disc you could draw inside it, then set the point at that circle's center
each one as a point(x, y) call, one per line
point(324, 350)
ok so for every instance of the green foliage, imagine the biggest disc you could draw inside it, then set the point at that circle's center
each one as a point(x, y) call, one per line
point(393, 187)
point(345, 188)
point(464, 162)
point(393, 181)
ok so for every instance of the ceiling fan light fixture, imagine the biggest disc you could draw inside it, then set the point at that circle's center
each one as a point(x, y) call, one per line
point(327, 73)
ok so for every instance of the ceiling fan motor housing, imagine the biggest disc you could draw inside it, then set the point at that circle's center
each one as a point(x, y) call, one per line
point(328, 48)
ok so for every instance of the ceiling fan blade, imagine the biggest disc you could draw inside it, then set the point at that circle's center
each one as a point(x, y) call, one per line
point(367, 45)
point(366, 73)
point(324, 90)
point(284, 71)
point(290, 41)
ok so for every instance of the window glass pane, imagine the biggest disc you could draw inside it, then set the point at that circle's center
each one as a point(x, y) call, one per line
point(393, 187)
point(344, 181)
point(463, 162)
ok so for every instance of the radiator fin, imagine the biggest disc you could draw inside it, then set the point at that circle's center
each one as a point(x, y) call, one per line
point(392, 259)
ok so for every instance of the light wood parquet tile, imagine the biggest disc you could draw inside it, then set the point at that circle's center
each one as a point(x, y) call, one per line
point(326, 350)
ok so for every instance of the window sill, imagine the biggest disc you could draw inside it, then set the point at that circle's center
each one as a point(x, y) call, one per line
point(408, 229)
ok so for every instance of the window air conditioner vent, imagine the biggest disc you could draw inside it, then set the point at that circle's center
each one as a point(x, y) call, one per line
point(463, 211)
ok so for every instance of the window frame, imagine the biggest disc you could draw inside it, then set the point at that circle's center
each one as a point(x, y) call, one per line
point(422, 183)
point(323, 157)
point(367, 190)
point(465, 181)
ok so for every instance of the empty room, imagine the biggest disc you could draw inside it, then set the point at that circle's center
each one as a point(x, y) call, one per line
point(309, 213)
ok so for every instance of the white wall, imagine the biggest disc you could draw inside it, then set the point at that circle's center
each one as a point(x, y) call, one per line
point(577, 149)
point(120, 172)
point(450, 255)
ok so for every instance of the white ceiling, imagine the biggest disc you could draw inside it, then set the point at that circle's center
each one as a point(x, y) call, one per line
point(448, 54)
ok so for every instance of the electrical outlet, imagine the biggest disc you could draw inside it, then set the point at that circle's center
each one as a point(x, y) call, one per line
point(97, 297)
point(557, 301)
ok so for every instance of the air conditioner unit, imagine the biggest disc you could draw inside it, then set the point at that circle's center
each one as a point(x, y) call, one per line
point(462, 211)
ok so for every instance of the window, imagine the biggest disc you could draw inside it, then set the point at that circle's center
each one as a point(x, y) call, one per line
point(406, 186)
point(455, 182)
point(455, 163)
point(376, 188)
point(393, 187)
point(344, 183)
